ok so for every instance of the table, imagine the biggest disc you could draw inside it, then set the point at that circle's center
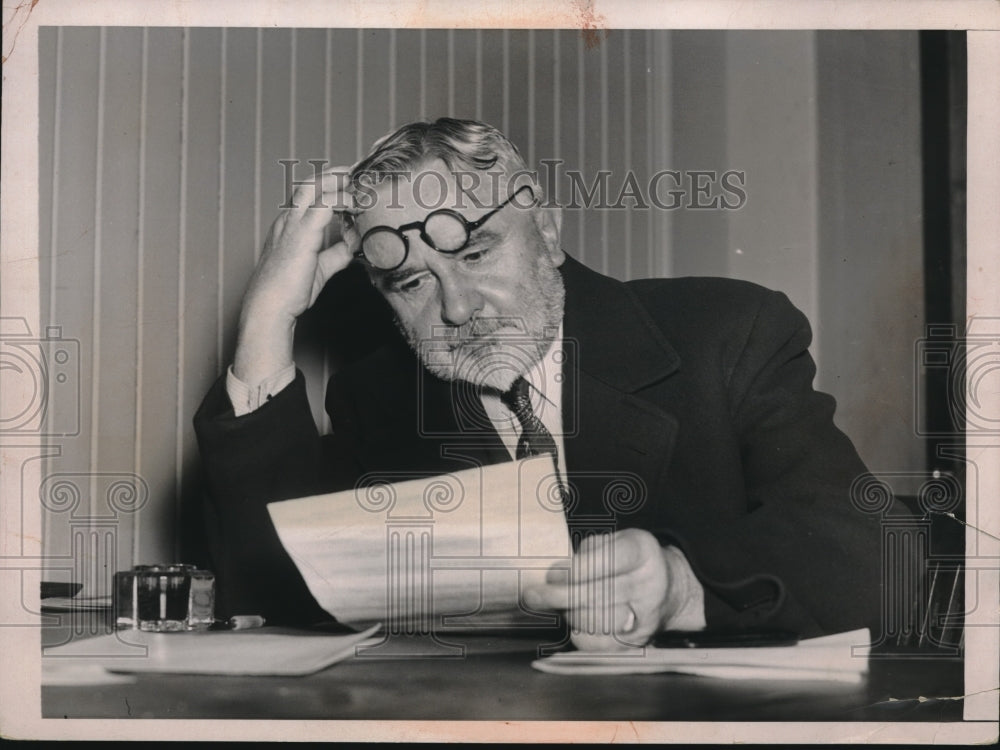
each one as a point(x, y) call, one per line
point(494, 680)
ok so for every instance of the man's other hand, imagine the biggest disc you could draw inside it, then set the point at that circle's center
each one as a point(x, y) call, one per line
point(294, 266)
point(622, 588)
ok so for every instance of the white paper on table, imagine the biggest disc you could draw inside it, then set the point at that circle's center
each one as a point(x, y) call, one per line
point(72, 672)
point(73, 604)
point(840, 658)
point(453, 550)
point(243, 652)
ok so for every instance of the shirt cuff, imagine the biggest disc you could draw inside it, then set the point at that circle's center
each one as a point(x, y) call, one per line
point(690, 615)
point(246, 398)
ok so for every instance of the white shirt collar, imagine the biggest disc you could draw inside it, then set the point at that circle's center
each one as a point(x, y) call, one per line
point(545, 379)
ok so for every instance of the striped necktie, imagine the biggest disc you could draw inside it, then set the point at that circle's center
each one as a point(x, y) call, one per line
point(535, 439)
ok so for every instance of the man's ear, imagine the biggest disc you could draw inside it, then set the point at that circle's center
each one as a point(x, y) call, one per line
point(548, 219)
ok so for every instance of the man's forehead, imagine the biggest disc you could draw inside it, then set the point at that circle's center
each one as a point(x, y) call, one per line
point(415, 192)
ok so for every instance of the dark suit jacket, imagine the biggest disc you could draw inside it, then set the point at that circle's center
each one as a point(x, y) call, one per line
point(690, 412)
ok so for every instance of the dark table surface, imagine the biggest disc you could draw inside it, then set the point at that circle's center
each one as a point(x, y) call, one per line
point(492, 679)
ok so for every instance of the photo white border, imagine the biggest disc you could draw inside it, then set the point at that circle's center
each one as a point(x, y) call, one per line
point(20, 647)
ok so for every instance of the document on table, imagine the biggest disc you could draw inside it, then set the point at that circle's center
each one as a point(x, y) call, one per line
point(450, 551)
point(245, 652)
point(841, 658)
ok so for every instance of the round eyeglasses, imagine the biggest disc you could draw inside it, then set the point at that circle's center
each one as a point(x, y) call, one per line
point(445, 230)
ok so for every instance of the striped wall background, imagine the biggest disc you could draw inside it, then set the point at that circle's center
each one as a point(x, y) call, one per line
point(160, 173)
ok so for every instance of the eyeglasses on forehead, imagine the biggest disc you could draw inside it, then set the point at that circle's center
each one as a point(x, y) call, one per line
point(446, 230)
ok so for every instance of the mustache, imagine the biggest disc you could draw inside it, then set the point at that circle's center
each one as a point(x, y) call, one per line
point(482, 330)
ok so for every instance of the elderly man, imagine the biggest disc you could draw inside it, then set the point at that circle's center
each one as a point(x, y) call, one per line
point(698, 389)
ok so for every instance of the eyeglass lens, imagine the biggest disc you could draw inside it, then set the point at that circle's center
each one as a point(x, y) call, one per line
point(446, 231)
point(384, 248)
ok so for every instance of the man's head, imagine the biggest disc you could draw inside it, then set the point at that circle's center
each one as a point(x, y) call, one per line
point(449, 221)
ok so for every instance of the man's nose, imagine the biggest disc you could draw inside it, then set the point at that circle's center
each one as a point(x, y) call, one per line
point(460, 300)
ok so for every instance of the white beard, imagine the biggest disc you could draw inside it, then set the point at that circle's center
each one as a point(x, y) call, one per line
point(493, 352)
point(492, 363)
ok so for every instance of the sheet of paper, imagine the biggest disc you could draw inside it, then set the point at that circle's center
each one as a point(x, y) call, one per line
point(243, 652)
point(71, 604)
point(452, 551)
point(63, 672)
point(842, 658)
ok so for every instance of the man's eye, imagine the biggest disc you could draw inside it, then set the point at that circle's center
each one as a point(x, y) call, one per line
point(410, 285)
point(475, 254)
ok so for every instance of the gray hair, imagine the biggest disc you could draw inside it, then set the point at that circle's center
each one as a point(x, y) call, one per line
point(460, 144)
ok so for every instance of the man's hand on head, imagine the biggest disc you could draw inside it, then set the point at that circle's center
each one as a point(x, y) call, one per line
point(294, 266)
point(622, 589)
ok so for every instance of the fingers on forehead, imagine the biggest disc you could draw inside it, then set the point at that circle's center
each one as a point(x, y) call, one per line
point(338, 182)
point(327, 180)
point(319, 197)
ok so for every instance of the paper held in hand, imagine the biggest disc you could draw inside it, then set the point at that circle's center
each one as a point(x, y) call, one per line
point(449, 552)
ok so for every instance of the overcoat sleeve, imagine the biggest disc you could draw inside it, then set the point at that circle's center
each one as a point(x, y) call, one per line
point(274, 453)
point(802, 532)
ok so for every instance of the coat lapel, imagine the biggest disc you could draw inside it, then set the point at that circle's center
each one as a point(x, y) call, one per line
point(617, 443)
